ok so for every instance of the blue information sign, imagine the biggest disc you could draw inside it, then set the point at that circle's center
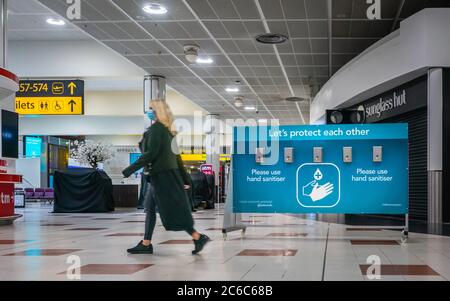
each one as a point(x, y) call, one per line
point(321, 169)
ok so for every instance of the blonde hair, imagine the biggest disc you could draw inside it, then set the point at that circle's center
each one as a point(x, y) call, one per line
point(163, 114)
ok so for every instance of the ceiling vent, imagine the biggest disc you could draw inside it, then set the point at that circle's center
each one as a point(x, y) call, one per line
point(271, 38)
point(298, 99)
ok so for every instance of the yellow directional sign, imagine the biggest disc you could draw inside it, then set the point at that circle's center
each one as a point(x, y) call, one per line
point(72, 86)
point(49, 105)
point(49, 97)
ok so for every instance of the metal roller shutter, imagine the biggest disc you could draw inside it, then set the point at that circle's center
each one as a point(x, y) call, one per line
point(418, 175)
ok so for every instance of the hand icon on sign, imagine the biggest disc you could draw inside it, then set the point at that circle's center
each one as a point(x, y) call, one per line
point(318, 185)
point(316, 191)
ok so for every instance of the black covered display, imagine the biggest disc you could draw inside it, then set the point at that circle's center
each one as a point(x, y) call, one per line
point(83, 190)
point(203, 189)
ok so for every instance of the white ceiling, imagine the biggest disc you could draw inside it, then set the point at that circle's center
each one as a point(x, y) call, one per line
point(225, 30)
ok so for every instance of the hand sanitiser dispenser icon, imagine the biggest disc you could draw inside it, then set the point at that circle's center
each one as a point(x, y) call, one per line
point(318, 185)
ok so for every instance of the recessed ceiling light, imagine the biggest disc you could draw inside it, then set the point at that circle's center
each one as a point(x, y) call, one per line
point(249, 108)
point(59, 22)
point(232, 89)
point(204, 60)
point(155, 9)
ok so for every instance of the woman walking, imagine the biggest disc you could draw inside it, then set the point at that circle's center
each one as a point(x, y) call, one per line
point(169, 181)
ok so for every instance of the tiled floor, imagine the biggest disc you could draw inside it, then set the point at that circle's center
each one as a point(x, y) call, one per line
point(45, 246)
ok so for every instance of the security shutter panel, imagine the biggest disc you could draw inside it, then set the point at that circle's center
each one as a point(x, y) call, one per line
point(418, 175)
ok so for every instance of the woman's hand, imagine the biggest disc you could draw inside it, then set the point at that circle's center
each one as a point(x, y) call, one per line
point(187, 187)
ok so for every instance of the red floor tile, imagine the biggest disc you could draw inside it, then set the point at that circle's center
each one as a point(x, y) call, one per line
point(177, 242)
point(44, 252)
point(366, 242)
point(86, 229)
point(12, 241)
point(111, 269)
point(402, 270)
point(126, 234)
point(287, 234)
point(264, 252)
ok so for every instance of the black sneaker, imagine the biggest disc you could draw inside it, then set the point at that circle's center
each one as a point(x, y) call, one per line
point(141, 249)
point(200, 243)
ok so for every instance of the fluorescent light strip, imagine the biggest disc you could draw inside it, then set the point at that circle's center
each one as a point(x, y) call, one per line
point(232, 90)
point(204, 60)
point(58, 22)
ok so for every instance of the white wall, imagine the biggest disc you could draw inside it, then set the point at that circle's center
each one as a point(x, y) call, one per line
point(423, 41)
point(126, 103)
point(82, 59)
point(117, 140)
point(30, 169)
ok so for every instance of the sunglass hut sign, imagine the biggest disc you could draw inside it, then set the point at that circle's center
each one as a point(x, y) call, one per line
point(385, 104)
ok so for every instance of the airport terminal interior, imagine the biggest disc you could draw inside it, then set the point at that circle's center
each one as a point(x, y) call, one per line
point(293, 140)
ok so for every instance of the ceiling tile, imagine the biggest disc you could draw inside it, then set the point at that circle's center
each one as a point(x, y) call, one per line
point(194, 29)
point(202, 9)
point(298, 29)
point(319, 45)
point(246, 9)
point(224, 9)
point(316, 9)
point(294, 9)
point(318, 29)
point(217, 29)
point(271, 9)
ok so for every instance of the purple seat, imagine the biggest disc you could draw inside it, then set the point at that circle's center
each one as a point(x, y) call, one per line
point(39, 193)
point(49, 193)
point(29, 193)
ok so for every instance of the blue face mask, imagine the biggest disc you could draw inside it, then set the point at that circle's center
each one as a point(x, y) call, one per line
point(151, 115)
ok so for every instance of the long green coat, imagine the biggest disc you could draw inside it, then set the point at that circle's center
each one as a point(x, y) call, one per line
point(168, 177)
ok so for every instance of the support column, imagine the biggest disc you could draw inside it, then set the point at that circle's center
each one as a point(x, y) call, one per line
point(212, 144)
point(3, 32)
point(435, 145)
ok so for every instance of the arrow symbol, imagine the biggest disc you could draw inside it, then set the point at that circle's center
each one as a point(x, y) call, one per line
point(72, 103)
point(72, 87)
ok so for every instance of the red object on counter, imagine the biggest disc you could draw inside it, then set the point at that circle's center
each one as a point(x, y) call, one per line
point(6, 199)
point(8, 178)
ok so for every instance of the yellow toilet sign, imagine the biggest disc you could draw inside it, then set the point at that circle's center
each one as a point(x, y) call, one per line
point(50, 97)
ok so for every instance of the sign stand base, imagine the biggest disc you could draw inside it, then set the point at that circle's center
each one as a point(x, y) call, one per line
point(231, 221)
